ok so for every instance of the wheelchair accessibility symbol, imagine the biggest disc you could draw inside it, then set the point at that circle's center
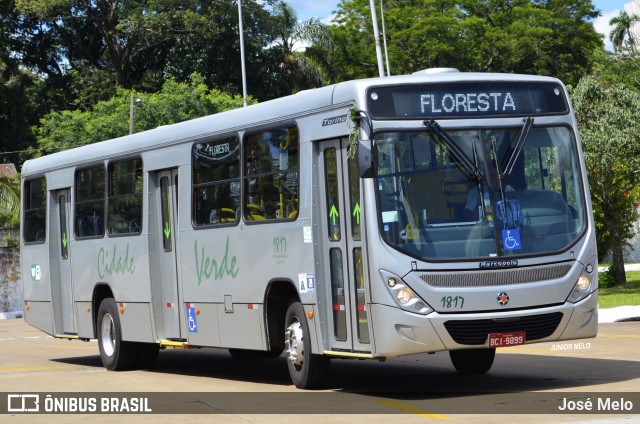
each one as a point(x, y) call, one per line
point(511, 240)
point(191, 320)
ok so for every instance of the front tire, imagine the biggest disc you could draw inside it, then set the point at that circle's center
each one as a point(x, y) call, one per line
point(472, 361)
point(116, 355)
point(307, 370)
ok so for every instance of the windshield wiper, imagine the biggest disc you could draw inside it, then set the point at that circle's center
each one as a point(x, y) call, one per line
point(528, 122)
point(456, 151)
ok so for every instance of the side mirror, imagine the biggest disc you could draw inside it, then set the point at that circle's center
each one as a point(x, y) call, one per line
point(367, 152)
point(367, 158)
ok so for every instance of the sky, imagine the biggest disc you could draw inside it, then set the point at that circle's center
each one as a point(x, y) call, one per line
point(323, 9)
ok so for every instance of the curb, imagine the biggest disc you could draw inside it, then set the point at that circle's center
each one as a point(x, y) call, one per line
point(11, 315)
point(627, 267)
point(619, 314)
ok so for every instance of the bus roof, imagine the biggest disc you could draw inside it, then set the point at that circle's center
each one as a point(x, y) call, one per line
point(262, 114)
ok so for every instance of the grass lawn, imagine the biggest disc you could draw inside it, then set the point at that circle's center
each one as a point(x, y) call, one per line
point(621, 296)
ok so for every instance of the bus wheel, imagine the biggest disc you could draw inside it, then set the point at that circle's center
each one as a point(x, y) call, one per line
point(116, 354)
point(307, 371)
point(472, 361)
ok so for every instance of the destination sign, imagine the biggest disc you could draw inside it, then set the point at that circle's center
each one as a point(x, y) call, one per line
point(217, 150)
point(473, 99)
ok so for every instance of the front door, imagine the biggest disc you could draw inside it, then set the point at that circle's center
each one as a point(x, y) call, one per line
point(163, 220)
point(343, 249)
point(61, 283)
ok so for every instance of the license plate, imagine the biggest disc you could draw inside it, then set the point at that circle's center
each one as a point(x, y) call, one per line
point(506, 339)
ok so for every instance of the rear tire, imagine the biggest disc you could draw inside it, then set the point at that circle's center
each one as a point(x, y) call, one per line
point(116, 355)
point(472, 361)
point(307, 371)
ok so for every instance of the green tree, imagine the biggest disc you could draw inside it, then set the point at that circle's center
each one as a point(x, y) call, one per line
point(88, 48)
point(10, 198)
point(127, 38)
point(109, 119)
point(621, 34)
point(616, 68)
point(210, 46)
point(291, 36)
point(550, 37)
point(609, 121)
point(18, 105)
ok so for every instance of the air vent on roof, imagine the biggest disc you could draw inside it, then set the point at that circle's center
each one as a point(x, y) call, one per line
point(436, 71)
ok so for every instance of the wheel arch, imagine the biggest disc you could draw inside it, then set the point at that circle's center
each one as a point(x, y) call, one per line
point(277, 296)
point(100, 292)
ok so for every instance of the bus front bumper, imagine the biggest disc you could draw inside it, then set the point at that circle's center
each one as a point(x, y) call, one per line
point(402, 333)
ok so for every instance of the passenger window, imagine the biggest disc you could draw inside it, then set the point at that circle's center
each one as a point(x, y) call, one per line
point(35, 211)
point(165, 206)
point(271, 175)
point(89, 202)
point(216, 182)
point(332, 194)
point(124, 214)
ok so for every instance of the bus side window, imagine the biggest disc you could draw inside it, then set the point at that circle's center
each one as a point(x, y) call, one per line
point(124, 211)
point(271, 175)
point(35, 211)
point(89, 210)
point(216, 182)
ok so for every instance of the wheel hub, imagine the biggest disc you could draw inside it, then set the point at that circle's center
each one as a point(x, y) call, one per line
point(107, 335)
point(294, 344)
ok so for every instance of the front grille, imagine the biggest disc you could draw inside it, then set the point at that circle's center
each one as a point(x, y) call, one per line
point(479, 278)
point(475, 332)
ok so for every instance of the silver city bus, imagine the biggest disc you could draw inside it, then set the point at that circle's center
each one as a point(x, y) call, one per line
point(463, 223)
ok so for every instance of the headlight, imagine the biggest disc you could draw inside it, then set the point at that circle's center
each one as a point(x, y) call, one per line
point(404, 296)
point(583, 283)
point(584, 286)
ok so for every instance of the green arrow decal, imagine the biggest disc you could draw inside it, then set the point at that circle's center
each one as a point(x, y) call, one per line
point(65, 240)
point(356, 213)
point(333, 214)
point(167, 230)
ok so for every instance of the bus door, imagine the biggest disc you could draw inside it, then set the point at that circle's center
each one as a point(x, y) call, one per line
point(342, 247)
point(164, 279)
point(61, 281)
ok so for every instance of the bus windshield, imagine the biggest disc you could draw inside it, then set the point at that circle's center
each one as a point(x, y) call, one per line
point(479, 193)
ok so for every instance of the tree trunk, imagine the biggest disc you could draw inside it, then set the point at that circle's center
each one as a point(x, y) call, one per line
point(617, 255)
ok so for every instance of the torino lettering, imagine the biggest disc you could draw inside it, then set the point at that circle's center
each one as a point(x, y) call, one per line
point(469, 102)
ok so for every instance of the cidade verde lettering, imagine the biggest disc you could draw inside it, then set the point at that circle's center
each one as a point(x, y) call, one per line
point(210, 268)
point(112, 262)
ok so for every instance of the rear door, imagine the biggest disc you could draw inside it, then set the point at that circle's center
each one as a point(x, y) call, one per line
point(165, 289)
